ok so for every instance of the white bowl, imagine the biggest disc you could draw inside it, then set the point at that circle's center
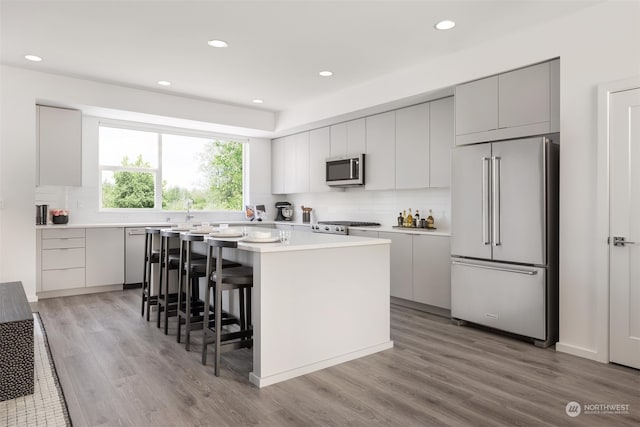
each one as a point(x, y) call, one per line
point(260, 234)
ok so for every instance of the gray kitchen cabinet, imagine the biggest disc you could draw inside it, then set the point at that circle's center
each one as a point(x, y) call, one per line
point(319, 151)
point(523, 96)
point(441, 141)
point(59, 148)
point(363, 233)
point(60, 259)
point(412, 147)
point(301, 163)
point(348, 138)
point(104, 256)
point(289, 166)
point(277, 166)
point(477, 106)
point(401, 264)
point(514, 104)
point(432, 271)
point(380, 161)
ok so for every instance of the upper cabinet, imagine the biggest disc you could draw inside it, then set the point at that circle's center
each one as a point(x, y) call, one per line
point(441, 141)
point(405, 148)
point(319, 150)
point(380, 166)
point(348, 138)
point(412, 147)
point(515, 104)
point(59, 149)
point(301, 163)
point(277, 165)
point(290, 164)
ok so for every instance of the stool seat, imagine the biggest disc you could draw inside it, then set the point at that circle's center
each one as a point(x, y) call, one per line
point(235, 276)
point(201, 267)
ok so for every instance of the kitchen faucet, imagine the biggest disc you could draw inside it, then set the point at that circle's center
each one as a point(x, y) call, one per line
point(189, 214)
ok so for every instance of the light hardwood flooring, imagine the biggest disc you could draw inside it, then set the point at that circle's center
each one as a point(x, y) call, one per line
point(117, 369)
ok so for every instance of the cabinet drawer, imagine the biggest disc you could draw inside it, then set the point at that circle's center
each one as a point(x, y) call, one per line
point(53, 259)
point(63, 233)
point(53, 280)
point(72, 242)
point(502, 296)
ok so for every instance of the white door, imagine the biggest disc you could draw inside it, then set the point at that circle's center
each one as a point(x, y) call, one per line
point(624, 140)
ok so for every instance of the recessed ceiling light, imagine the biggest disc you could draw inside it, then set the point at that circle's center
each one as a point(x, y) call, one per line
point(217, 43)
point(257, 101)
point(445, 25)
point(33, 58)
point(164, 83)
point(325, 73)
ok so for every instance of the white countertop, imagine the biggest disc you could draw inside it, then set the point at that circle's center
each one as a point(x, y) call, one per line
point(389, 229)
point(146, 224)
point(303, 240)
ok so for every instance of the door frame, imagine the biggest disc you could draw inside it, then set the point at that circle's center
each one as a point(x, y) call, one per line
point(603, 249)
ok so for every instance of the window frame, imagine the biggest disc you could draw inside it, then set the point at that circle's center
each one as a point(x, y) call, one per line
point(157, 172)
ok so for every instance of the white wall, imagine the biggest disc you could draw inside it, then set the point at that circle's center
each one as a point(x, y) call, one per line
point(22, 89)
point(598, 44)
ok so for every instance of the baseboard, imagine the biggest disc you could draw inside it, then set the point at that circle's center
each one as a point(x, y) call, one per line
point(79, 291)
point(438, 311)
point(132, 286)
point(580, 352)
point(303, 370)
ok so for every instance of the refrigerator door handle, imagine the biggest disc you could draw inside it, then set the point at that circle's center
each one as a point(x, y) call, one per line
point(495, 199)
point(486, 206)
point(488, 267)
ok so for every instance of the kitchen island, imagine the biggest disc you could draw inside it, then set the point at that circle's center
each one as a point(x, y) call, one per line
point(318, 301)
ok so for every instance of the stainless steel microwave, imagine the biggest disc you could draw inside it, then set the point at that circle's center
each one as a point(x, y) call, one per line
point(345, 171)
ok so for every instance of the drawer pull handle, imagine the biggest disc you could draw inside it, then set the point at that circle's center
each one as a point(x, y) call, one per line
point(488, 267)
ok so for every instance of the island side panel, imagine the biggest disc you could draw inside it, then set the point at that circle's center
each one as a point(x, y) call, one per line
point(317, 308)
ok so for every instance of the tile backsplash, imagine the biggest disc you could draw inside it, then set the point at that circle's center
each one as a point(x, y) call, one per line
point(376, 206)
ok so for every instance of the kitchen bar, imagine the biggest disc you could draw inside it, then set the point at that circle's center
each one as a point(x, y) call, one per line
point(318, 301)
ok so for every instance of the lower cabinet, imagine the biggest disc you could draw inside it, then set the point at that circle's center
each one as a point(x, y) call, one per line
point(77, 258)
point(105, 256)
point(61, 259)
point(432, 270)
point(420, 268)
point(401, 264)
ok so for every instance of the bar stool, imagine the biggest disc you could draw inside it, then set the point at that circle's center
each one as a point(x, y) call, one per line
point(170, 260)
point(193, 267)
point(151, 256)
point(189, 305)
point(226, 279)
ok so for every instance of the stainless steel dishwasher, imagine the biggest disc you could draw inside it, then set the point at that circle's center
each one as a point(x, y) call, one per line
point(134, 255)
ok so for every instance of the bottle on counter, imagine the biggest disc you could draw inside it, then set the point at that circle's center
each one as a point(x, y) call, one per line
point(404, 218)
point(430, 222)
point(416, 219)
point(409, 221)
point(400, 219)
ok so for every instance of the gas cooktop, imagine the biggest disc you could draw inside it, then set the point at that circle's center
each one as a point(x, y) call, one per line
point(340, 227)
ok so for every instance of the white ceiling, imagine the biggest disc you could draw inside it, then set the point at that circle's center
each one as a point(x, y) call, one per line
point(276, 48)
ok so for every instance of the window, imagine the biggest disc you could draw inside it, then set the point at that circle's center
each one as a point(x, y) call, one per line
point(149, 168)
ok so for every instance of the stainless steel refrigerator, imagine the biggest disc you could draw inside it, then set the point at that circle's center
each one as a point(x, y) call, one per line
point(504, 241)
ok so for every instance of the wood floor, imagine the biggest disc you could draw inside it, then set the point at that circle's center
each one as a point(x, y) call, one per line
point(117, 369)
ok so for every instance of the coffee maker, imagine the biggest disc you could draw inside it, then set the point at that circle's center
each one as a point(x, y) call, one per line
point(285, 211)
